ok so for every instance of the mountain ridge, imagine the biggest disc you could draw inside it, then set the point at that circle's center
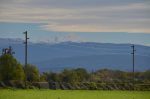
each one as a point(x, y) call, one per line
point(49, 57)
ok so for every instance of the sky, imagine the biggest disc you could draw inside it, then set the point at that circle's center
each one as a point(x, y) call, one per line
point(106, 21)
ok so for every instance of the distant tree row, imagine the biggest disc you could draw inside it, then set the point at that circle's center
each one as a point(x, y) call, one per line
point(74, 75)
point(11, 69)
point(100, 76)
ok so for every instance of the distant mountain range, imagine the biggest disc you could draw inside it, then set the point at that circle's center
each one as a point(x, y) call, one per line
point(89, 55)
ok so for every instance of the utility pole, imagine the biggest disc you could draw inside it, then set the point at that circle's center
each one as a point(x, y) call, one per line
point(133, 60)
point(26, 47)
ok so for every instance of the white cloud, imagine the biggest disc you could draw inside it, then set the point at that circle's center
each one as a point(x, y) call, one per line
point(94, 28)
point(84, 17)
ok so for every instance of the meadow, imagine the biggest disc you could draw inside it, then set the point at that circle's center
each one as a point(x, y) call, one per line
point(72, 94)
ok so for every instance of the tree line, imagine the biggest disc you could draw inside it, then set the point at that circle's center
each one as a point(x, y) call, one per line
point(11, 69)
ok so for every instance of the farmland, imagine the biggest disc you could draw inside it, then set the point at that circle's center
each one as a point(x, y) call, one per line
point(72, 94)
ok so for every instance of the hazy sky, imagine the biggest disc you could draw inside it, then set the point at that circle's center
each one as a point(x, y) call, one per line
point(110, 21)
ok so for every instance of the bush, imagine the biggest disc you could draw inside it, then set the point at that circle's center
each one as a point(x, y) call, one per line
point(14, 84)
point(41, 85)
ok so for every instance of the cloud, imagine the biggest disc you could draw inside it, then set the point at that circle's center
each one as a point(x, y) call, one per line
point(80, 15)
point(94, 28)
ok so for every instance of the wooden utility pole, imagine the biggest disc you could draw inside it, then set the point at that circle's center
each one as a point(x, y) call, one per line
point(133, 60)
point(26, 49)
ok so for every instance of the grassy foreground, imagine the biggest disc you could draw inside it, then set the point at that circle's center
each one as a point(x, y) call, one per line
point(72, 94)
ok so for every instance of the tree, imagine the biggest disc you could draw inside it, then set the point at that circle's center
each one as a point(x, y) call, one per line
point(10, 69)
point(32, 73)
point(69, 76)
point(82, 74)
point(19, 74)
point(105, 75)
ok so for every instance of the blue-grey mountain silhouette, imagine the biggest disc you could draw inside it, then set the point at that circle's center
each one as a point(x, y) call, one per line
point(89, 55)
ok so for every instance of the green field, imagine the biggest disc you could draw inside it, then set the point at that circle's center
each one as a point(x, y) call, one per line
point(72, 94)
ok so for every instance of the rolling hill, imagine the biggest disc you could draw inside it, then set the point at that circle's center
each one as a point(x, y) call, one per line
point(89, 55)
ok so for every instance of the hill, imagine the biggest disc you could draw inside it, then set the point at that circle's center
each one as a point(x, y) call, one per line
point(89, 55)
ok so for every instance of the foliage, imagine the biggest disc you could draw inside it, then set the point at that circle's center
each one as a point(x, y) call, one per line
point(102, 79)
point(73, 75)
point(10, 69)
point(82, 74)
point(69, 76)
point(32, 73)
point(100, 76)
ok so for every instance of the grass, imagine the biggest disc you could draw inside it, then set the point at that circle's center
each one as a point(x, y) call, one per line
point(72, 94)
